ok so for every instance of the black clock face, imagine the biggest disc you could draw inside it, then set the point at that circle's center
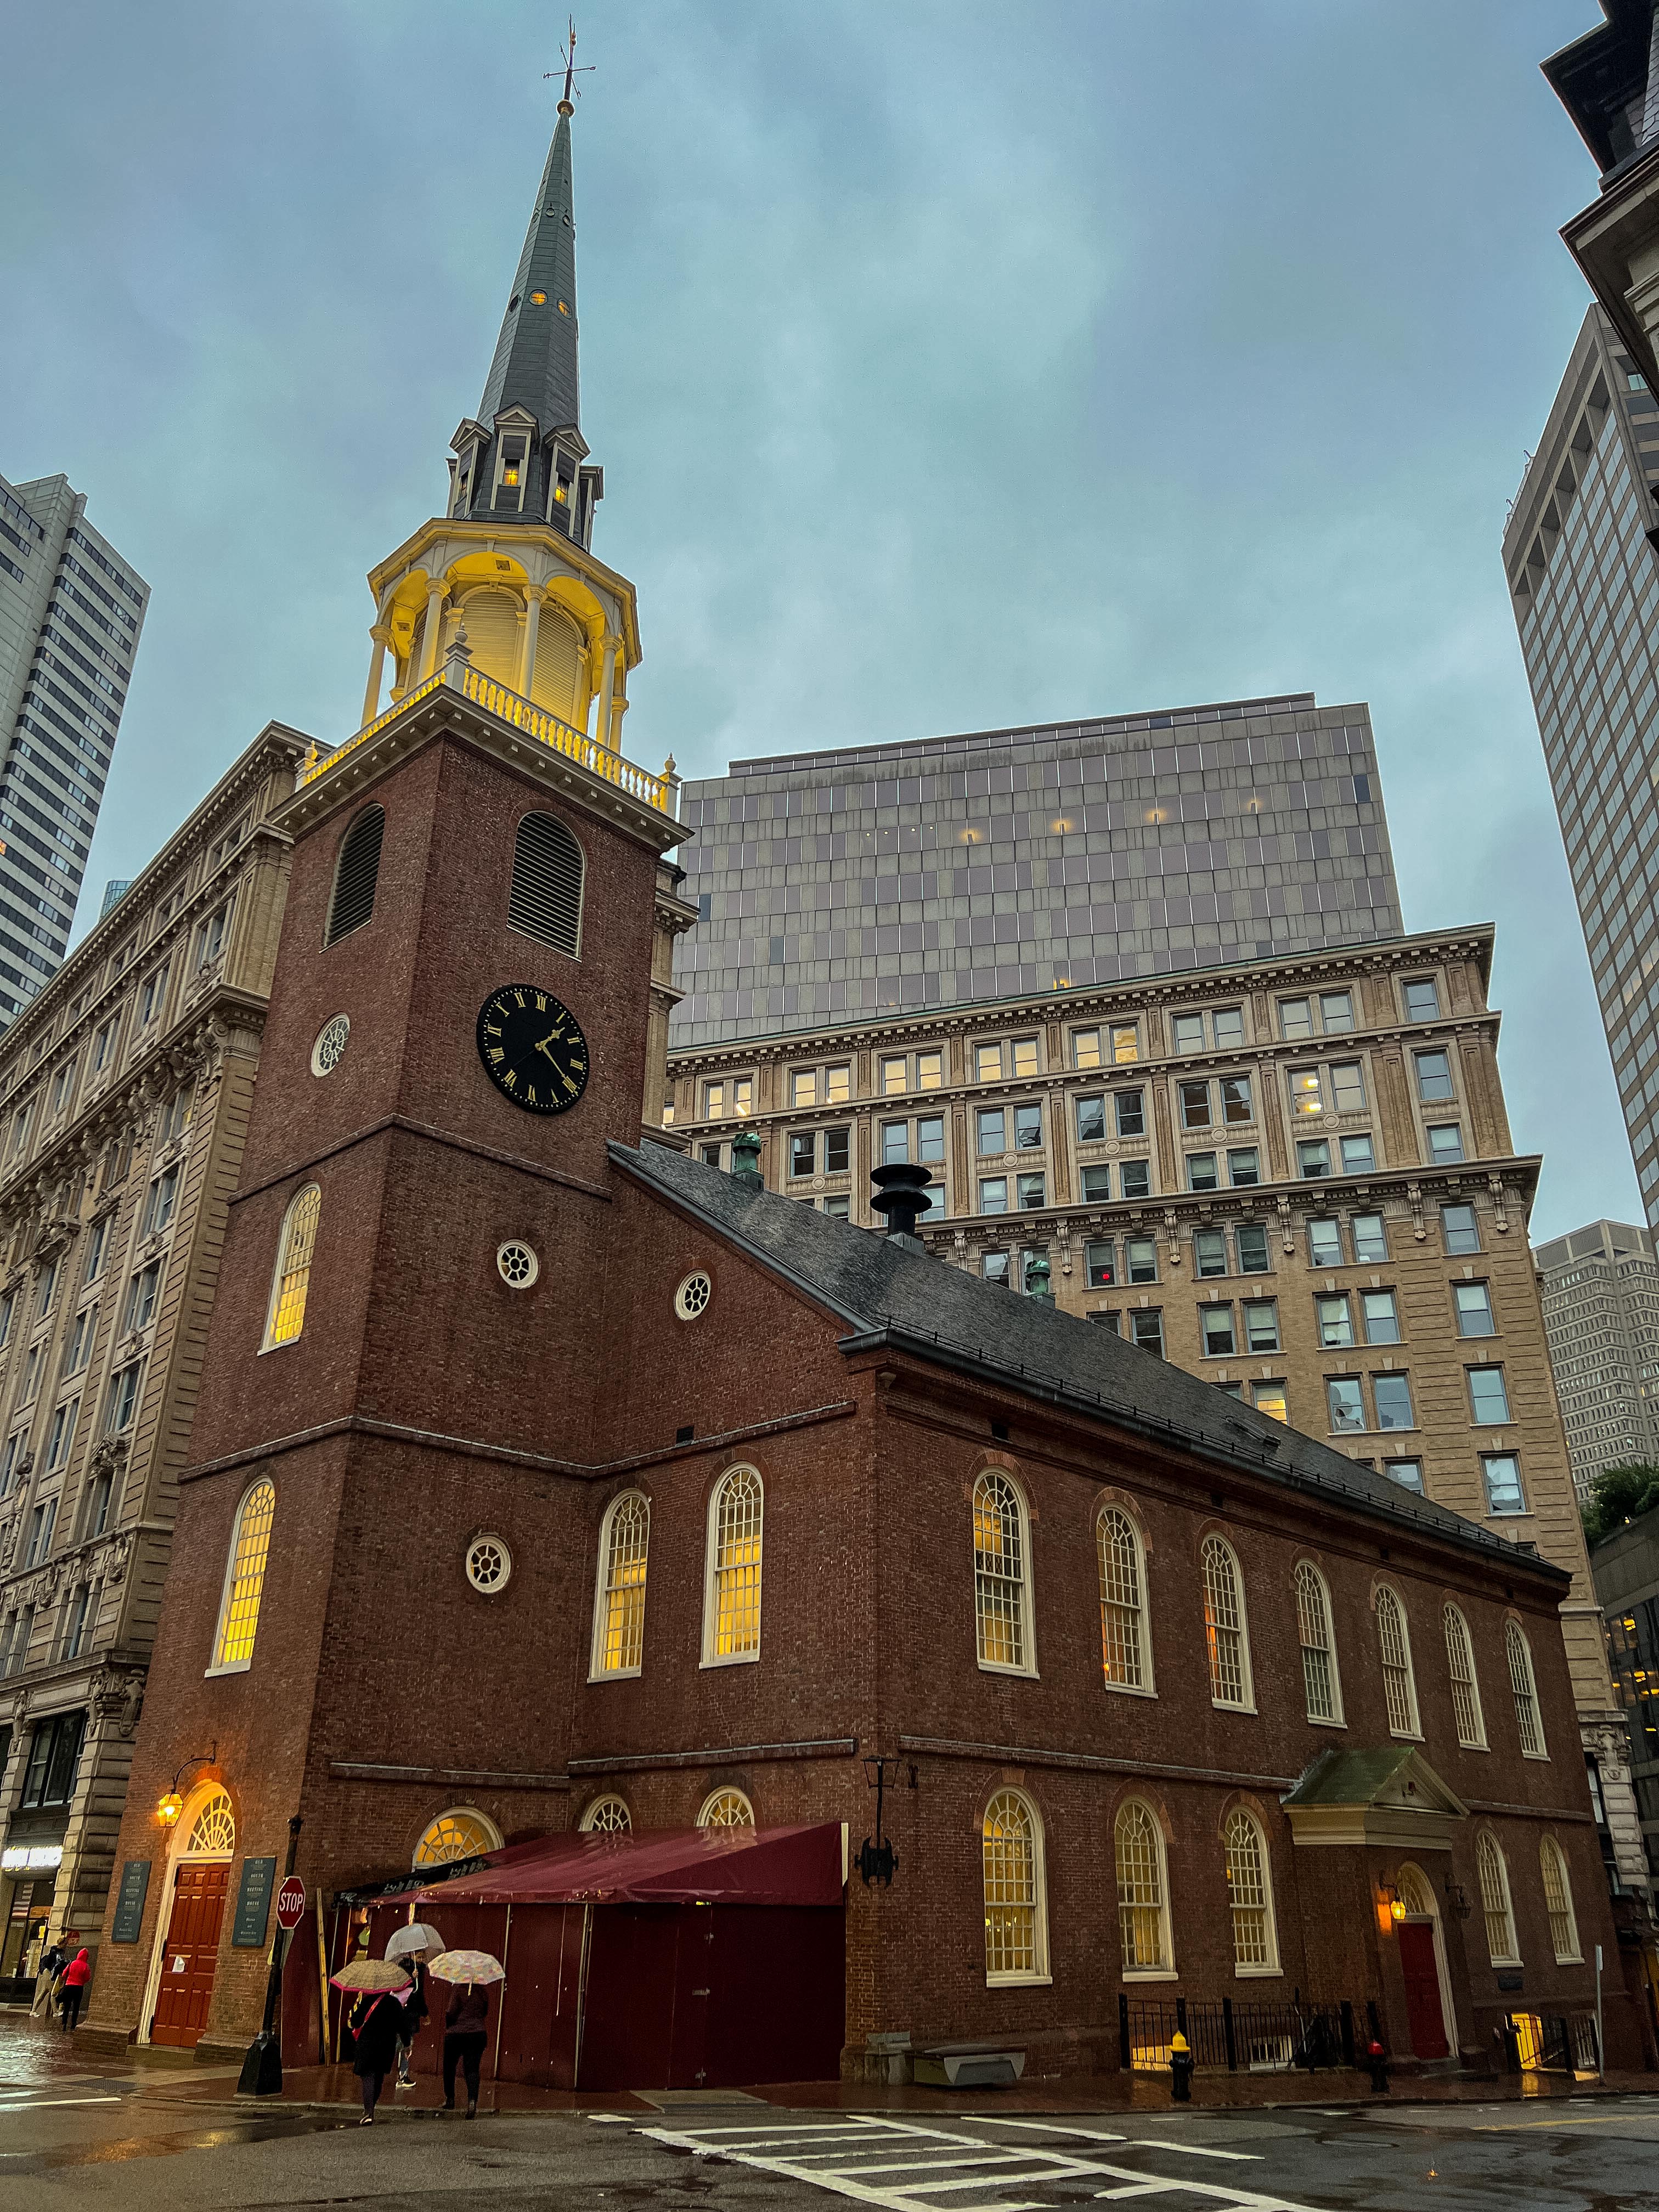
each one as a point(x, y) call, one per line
point(533, 1049)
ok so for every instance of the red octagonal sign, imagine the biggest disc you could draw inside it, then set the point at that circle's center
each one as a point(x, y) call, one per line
point(290, 1903)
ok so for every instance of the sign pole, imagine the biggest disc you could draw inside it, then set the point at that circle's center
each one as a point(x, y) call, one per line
point(1601, 2062)
point(262, 2070)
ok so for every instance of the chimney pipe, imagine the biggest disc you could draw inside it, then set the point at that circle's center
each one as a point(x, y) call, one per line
point(745, 1160)
point(902, 1198)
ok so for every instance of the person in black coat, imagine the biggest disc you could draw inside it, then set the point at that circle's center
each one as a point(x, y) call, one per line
point(464, 2029)
point(415, 2010)
point(374, 2022)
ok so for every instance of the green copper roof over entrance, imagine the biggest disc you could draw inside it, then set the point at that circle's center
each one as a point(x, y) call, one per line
point(535, 364)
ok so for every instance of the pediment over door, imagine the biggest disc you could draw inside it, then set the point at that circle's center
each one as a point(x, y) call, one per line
point(1389, 1796)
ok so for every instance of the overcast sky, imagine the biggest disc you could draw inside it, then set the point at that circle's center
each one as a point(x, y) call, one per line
point(950, 364)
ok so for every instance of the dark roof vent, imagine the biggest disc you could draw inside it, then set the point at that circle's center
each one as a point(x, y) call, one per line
point(901, 1196)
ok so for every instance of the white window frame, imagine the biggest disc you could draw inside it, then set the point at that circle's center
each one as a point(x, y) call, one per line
point(1388, 1604)
point(1516, 1641)
point(726, 1790)
point(711, 1657)
point(284, 1236)
point(241, 1666)
point(1038, 1972)
point(1450, 1614)
point(1548, 1851)
point(1026, 1665)
point(598, 1671)
point(1486, 1842)
point(591, 1825)
point(1167, 1972)
point(486, 1826)
point(1245, 1703)
point(1269, 1968)
point(1147, 1687)
point(1322, 1590)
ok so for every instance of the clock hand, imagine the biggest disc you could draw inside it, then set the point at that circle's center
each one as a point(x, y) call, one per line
point(542, 1047)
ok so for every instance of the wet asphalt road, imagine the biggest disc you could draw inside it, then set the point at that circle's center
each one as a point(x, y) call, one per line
point(132, 2148)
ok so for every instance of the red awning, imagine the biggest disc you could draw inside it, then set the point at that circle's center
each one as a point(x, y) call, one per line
point(664, 1865)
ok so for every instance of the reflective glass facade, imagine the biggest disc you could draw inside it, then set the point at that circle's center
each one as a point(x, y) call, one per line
point(890, 879)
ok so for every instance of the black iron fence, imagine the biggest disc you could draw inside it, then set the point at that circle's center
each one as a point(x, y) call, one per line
point(1226, 2035)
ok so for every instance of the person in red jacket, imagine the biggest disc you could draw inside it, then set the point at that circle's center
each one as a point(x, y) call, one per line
point(76, 1975)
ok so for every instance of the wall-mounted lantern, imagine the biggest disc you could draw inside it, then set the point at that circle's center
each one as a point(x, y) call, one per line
point(173, 1804)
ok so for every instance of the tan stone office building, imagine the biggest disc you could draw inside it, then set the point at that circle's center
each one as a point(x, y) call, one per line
point(1294, 1177)
point(124, 1096)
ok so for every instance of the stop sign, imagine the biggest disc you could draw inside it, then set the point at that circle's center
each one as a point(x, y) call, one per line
point(290, 1903)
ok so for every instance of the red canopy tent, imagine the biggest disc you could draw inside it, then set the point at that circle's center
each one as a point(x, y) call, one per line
point(677, 1958)
point(666, 1866)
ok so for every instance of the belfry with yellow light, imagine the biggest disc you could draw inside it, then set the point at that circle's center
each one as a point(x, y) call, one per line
point(510, 562)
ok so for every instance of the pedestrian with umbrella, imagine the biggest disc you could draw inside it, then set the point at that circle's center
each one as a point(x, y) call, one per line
point(467, 2021)
point(411, 1945)
point(373, 2022)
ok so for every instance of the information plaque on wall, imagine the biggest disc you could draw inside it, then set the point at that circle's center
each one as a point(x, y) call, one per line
point(130, 1902)
point(253, 1904)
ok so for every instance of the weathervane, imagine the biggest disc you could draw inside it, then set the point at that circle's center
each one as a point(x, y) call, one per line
point(571, 90)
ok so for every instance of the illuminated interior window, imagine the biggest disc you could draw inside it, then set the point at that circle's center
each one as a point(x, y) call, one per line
point(292, 1278)
point(999, 1592)
point(1142, 1897)
point(726, 1809)
point(1256, 1948)
point(1122, 1611)
point(1016, 1936)
point(239, 1611)
point(619, 1641)
point(732, 1614)
point(1223, 1625)
point(460, 1833)
point(213, 1833)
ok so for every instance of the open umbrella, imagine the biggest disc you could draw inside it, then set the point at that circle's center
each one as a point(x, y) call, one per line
point(372, 1974)
point(417, 1937)
point(466, 1966)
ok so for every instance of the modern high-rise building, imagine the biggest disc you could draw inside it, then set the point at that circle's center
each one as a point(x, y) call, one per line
point(1609, 82)
point(1584, 582)
point(70, 613)
point(887, 879)
point(1600, 1291)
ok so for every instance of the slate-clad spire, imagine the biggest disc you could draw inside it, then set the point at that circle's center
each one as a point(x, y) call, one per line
point(535, 364)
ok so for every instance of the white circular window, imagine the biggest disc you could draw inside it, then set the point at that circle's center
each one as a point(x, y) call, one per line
point(691, 1299)
point(330, 1048)
point(489, 1564)
point(518, 1266)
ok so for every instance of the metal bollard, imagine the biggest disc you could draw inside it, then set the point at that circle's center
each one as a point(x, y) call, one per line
point(1377, 2059)
point(1181, 2070)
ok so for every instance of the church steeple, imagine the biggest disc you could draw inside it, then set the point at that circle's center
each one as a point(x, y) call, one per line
point(523, 455)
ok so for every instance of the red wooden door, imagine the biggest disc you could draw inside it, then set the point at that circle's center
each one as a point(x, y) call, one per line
point(191, 1956)
point(1423, 2008)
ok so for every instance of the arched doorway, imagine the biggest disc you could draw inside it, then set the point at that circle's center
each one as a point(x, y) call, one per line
point(187, 1940)
point(1428, 2008)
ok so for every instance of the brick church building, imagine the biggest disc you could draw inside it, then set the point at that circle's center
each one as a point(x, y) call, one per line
point(545, 1480)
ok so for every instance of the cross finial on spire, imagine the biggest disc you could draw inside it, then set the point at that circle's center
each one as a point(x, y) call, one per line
point(572, 91)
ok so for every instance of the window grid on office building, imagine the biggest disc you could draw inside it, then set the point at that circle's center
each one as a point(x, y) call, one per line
point(999, 1571)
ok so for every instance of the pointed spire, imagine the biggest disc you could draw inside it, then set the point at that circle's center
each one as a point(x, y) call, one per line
point(534, 362)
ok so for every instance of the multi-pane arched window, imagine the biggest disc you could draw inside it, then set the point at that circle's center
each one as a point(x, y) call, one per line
point(291, 1276)
point(726, 1809)
point(356, 874)
point(1495, 1901)
point(1524, 1686)
point(1249, 1893)
point(1002, 1597)
point(213, 1832)
point(619, 1603)
point(1465, 1684)
point(463, 1833)
point(1125, 1649)
point(1321, 1683)
point(1143, 1907)
point(245, 1579)
point(545, 901)
point(731, 1601)
point(1016, 1917)
point(607, 1816)
point(1224, 1628)
point(1399, 1684)
point(1558, 1901)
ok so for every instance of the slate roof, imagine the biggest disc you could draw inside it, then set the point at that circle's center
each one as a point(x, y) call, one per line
point(1350, 1777)
point(885, 1291)
point(534, 362)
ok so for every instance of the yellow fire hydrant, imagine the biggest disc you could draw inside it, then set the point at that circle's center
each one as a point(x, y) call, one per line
point(1181, 2070)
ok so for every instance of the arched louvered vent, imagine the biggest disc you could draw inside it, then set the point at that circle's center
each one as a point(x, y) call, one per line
point(356, 874)
point(546, 901)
